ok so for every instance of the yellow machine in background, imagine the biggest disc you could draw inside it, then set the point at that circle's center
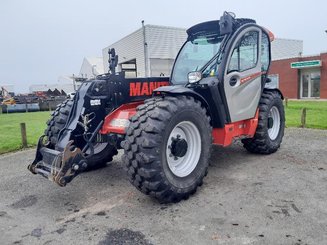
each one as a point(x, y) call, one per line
point(7, 98)
point(10, 101)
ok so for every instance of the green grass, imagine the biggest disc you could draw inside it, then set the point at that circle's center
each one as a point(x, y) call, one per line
point(10, 135)
point(316, 114)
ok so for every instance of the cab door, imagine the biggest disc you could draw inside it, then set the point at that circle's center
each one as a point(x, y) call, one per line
point(243, 74)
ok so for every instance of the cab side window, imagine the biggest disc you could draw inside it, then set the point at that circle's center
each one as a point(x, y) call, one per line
point(265, 55)
point(245, 53)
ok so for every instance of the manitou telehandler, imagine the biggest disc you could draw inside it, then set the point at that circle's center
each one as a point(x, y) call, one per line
point(166, 126)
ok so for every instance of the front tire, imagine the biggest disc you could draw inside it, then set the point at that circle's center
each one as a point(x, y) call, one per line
point(167, 147)
point(271, 123)
point(103, 152)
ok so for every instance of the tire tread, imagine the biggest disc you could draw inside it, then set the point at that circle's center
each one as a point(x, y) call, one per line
point(144, 137)
point(261, 142)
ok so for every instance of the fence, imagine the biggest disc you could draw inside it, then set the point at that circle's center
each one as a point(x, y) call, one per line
point(306, 113)
point(42, 105)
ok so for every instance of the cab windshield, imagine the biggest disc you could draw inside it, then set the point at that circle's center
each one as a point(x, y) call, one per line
point(194, 56)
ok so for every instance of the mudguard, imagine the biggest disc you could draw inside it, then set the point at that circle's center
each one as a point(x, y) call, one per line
point(214, 106)
point(181, 90)
point(275, 89)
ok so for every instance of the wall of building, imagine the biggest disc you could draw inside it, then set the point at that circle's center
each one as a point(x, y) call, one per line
point(290, 78)
point(282, 48)
point(163, 44)
point(283, 53)
point(129, 48)
point(91, 67)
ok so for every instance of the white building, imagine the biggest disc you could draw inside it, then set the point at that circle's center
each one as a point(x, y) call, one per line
point(282, 48)
point(151, 51)
point(148, 52)
point(91, 67)
point(65, 79)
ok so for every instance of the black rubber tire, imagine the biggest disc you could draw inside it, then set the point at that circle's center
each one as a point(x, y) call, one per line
point(58, 121)
point(145, 147)
point(261, 142)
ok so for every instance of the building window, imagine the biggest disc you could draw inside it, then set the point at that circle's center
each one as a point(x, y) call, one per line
point(310, 84)
point(129, 68)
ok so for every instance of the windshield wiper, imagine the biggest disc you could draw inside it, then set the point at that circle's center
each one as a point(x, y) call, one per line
point(221, 47)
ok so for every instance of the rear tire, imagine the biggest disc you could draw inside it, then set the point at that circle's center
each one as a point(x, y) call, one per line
point(271, 123)
point(167, 147)
point(58, 120)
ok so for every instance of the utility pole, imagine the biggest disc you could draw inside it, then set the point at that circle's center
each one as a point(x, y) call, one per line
point(146, 58)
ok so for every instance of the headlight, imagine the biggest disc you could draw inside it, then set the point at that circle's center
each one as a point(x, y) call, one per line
point(120, 123)
point(194, 76)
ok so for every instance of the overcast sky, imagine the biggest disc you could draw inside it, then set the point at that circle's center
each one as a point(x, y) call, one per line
point(42, 39)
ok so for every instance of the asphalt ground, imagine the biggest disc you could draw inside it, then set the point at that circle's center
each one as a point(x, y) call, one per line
point(245, 199)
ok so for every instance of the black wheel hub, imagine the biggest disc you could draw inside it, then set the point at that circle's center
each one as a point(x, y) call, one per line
point(178, 146)
point(270, 122)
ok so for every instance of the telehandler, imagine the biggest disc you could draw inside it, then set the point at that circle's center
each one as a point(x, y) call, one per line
point(166, 126)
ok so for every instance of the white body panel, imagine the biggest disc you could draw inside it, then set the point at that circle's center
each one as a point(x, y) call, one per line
point(243, 98)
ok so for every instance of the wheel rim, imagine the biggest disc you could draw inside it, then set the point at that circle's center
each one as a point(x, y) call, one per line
point(273, 123)
point(183, 161)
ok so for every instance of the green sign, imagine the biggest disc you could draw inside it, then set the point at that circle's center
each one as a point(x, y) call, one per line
point(306, 64)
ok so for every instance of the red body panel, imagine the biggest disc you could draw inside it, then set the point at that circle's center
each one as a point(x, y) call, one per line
point(222, 136)
point(125, 111)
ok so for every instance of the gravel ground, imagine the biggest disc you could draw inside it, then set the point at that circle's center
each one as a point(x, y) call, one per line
point(245, 199)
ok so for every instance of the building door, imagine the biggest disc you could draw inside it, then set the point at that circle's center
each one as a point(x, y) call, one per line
point(310, 84)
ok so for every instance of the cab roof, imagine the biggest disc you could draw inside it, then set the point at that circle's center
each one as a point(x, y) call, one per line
point(213, 27)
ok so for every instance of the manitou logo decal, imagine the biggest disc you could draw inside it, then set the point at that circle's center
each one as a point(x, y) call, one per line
point(144, 88)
